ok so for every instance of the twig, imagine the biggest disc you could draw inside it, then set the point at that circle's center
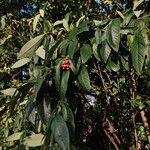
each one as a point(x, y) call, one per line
point(133, 96)
point(146, 126)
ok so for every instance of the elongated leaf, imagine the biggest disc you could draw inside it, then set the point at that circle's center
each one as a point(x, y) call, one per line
point(105, 51)
point(43, 103)
point(136, 3)
point(68, 116)
point(34, 140)
point(41, 12)
point(65, 24)
point(57, 75)
point(58, 22)
point(73, 33)
point(41, 52)
point(52, 50)
point(111, 65)
point(9, 91)
point(127, 18)
point(85, 52)
point(113, 34)
point(79, 20)
point(35, 21)
point(63, 46)
point(21, 63)
point(39, 83)
point(84, 79)
point(14, 137)
point(96, 52)
point(138, 52)
point(60, 132)
point(72, 66)
point(30, 47)
point(72, 47)
point(83, 27)
point(64, 83)
point(98, 36)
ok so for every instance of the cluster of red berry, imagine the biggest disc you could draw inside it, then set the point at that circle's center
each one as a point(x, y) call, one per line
point(65, 65)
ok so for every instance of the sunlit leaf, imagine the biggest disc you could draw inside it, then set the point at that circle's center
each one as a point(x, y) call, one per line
point(80, 20)
point(136, 3)
point(41, 52)
point(35, 21)
point(21, 63)
point(65, 24)
point(14, 137)
point(41, 12)
point(34, 140)
point(58, 22)
point(138, 13)
point(30, 47)
point(9, 91)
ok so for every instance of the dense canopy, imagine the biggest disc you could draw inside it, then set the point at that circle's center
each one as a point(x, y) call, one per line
point(74, 74)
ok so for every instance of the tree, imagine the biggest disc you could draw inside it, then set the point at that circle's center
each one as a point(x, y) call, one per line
point(72, 71)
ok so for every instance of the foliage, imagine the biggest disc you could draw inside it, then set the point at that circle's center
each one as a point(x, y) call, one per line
point(80, 82)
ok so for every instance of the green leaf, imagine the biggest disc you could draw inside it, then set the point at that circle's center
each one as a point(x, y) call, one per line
point(115, 66)
point(80, 20)
point(30, 47)
point(73, 33)
point(85, 52)
point(63, 46)
point(64, 83)
point(41, 52)
point(113, 34)
point(83, 27)
point(127, 18)
point(35, 21)
point(73, 44)
point(95, 52)
point(68, 116)
point(9, 91)
point(105, 51)
point(84, 79)
point(34, 140)
point(60, 132)
point(125, 62)
point(98, 36)
point(39, 82)
point(14, 137)
point(57, 74)
point(72, 66)
point(41, 12)
point(20, 63)
point(50, 53)
point(138, 52)
point(43, 103)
